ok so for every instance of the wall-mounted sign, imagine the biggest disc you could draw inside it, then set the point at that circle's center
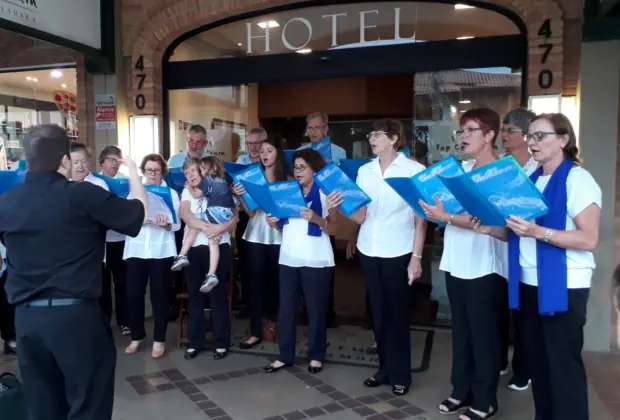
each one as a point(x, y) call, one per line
point(105, 112)
point(77, 21)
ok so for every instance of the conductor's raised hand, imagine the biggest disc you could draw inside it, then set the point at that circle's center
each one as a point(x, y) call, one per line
point(334, 200)
point(272, 221)
point(129, 163)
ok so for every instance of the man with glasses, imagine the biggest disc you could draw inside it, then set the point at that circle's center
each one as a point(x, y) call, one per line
point(196, 144)
point(317, 127)
point(255, 138)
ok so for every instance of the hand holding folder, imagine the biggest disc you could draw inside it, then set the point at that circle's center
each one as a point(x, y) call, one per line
point(332, 179)
point(251, 174)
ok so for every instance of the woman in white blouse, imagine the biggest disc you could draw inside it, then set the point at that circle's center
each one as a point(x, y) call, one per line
point(476, 269)
point(306, 267)
point(198, 256)
point(149, 258)
point(390, 245)
point(262, 247)
point(550, 269)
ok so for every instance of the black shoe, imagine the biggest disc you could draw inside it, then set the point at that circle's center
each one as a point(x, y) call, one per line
point(247, 346)
point(219, 355)
point(372, 382)
point(190, 354)
point(270, 368)
point(452, 407)
point(315, 369)
point(400, 390)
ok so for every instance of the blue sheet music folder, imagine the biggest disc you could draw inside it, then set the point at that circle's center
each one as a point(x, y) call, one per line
point(427, 186)
point(164, 193)
point(117, 186)
point(283, 200)
point(253, 174)
point(496, 191)
point(333, 179)
point(351, 167)
point(324, 147)
point(175, 179)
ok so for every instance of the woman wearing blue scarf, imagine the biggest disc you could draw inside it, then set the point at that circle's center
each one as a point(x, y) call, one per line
point(550, 270)
point(306, 267)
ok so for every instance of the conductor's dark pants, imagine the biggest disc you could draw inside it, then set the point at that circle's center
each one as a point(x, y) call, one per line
point(67, 358)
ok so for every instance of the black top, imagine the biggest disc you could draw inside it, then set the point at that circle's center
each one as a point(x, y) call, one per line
point(218, 192)
point(54, 233)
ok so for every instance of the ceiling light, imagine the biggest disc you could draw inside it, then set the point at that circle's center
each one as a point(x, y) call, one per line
point(465, 101)
point(269, 23)
point(303, 51)
point(465, 37)
point(239, 44)
point(462, 110)
point(462, 6)
point(32, 79)
point(28, 78)
point(56, 74)
point(64, 86)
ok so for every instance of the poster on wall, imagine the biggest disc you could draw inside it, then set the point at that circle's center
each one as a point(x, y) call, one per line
point(219, 144)
point(105, 112)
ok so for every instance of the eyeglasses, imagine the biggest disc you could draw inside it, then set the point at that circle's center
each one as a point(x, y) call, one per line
point(79, 162)
point(511, 130)
point(313, 129)
point(466, 132)
point(253, 143)
point(375, 134)
point(152, 171)
point(539, 135)
point(300, 168)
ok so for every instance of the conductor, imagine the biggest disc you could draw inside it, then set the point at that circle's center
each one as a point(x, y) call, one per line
point(54, 232)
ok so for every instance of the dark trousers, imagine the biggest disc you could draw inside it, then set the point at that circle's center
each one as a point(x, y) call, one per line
point(476, 305)
point(331, 311)
point(66, 357)
point(314, 284)
point(7, 313)
point(241, 259)
point(262, 270)
point(140, 271)
point(218, 297)
point(386, 281)
point(553, 346)
point(510, 330)
point(115, 270)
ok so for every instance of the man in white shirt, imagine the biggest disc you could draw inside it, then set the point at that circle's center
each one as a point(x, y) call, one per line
point(196, 144)
point(255, 138)
point(317, 127)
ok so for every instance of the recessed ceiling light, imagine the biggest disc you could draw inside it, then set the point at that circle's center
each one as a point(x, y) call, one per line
point(462, 110)
point(64, 86)
point(28, 78)
point(32, 79)
point(465, 37)
point(465, 101)
point(269, 23)
point(56, 74)
point(303, 51)
point(239, 44)
point(462, 6)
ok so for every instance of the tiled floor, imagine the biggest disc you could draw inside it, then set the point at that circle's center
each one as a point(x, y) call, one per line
point(234, 388)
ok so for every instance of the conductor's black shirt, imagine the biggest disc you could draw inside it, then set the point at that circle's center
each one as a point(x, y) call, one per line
point(54, 233)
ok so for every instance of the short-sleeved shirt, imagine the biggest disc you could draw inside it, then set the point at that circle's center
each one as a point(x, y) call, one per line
point(218, 192)
point(54, 231)
point(177, 161)
point(337, 152)
point(197, 206)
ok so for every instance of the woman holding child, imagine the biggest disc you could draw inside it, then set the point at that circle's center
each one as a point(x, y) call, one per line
point(149, 258)
point(262, 246)
point(201, 275)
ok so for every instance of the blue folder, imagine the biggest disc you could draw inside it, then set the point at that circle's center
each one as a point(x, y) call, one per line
point(117, 186)
point(9, 179)
point(164, 193)
point(175, 179)
point(496, 191)
point(427, 186)
point(351, 167)
point(283, 200)
point(253, 174)
point(232, 168)
point(324, 147)
point(333, 179)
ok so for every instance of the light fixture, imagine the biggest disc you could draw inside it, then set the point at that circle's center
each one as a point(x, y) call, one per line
point(452, 108)
point(56, 74)
point(463, 110)
point(303, 51)
point(268, 23)
point(239, 44)
point(460, 6)
point(464, 101)
point(143, 136)
point(464, 37)
point(64, 86)
point(32, 79)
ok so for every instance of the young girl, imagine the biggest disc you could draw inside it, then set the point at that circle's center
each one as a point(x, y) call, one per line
point(220, 205)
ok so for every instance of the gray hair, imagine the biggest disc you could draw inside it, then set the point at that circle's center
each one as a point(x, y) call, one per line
point(520, 117)
point(260, 132)
point(44, 147)
point(109, 151)
point(320, 115)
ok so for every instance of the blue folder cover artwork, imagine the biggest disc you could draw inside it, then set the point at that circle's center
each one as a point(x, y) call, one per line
point(351, 167)
point(431, 187)
point(283, 199)
point(253, 174)
point(496, 191)
point(155, 206)
point(324, 147)
point(333, 179)
point(117, 186)
point(175, 179)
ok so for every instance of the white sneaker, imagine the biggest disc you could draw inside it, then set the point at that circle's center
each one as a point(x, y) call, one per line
point(179, 262)
point(210, 282)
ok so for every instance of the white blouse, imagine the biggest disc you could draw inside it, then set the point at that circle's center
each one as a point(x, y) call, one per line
point(389, 228)
point(154, 242)
point(302, 250)
point(197, 206)
point(258, 231)
point(582, 190)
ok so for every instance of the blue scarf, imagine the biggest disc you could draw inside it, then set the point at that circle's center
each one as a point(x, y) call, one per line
point(550, 260)
point(314, 198)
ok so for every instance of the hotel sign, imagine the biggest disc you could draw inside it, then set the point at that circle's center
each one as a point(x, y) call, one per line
point(363, 20)
point(74, 20)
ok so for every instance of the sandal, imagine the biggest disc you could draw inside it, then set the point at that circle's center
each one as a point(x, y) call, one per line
point(470, 415)
point(453, 407)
